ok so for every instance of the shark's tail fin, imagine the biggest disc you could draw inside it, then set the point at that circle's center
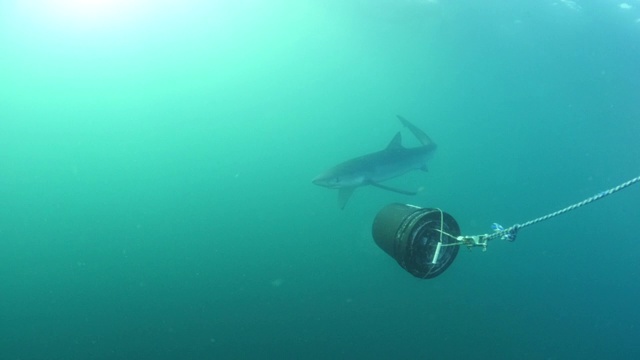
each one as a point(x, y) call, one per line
point(419, 134)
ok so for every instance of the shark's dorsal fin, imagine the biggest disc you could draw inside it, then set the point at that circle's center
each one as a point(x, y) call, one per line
point(419, 134)
point(344, 193)
point(396, 142)
point(389, 188)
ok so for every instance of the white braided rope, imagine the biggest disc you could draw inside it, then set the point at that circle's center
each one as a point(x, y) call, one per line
point(510, 232)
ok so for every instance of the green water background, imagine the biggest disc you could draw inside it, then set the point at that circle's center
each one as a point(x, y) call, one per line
point(155, 194)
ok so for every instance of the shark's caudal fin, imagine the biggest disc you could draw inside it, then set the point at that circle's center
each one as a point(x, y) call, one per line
point(419, 134)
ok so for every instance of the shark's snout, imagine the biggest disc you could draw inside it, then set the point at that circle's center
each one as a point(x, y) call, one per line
point(321, 180)
point(328, 179)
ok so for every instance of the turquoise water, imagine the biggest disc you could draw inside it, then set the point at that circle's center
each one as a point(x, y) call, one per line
point(156, 162)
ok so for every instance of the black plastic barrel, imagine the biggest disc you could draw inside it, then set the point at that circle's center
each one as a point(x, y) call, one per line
point(421, 240)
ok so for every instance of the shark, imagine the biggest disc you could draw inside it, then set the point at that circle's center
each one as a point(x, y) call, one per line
point(374, 168)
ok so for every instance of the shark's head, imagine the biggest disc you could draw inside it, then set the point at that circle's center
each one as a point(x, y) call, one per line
point(336, 180)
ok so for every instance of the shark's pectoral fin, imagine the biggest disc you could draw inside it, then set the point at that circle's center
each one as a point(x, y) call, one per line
point(388, 188)
point(344, 194)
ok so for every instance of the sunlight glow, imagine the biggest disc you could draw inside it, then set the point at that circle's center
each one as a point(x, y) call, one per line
point(85, 14)
point(89, 9)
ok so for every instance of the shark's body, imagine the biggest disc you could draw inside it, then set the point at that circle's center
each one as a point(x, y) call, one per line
point(371, 169)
